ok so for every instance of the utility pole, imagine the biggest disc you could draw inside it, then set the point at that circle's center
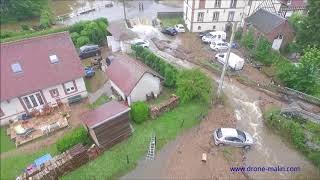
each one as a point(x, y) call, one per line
point(124, 10)
point(226, 63)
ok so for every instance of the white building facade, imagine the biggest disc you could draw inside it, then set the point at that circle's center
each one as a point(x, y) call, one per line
point(15, 107)
point(202, 15)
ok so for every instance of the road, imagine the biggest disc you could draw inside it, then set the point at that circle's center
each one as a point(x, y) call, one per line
point(269, 150)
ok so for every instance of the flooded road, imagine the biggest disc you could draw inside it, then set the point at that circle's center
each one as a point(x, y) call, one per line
point(74, 7)
point(269, 149)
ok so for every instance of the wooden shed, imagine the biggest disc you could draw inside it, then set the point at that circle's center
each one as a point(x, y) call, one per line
point(108, 124)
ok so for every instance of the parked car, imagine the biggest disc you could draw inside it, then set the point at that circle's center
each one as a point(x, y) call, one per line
point(204, 33)
point(169, 31)
point(235, 62)
point(233, 137)
point(219, 45)
point(89, 71)
point(214, 36)
point(89, 51)
point(141, 42)
point(179, 28)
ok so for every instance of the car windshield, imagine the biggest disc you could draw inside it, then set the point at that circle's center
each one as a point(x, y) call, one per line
point(241, 135)
point(219, 133)
point(139, 43)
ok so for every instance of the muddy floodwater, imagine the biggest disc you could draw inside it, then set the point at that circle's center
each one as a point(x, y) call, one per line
point(73, 8)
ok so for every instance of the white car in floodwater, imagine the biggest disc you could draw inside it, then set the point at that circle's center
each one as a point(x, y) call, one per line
point(180, 28)
point(233, 137)
point(141, 42)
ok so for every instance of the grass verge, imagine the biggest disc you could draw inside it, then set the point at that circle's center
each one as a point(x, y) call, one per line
point(171, 21)
point(101, 100)
point(113, 163)
point(298, 132)
point(11, 167)
point(6, 143)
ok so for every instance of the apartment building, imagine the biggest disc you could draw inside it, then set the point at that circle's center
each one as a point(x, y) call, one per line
point(201, 15)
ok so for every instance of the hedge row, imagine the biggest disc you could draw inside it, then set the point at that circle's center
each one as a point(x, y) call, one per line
point(165, 69)
point(76, 136)
point(293, 131)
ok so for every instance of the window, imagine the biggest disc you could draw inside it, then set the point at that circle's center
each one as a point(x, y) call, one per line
point(215, 16)
point(70, 87)
point(54, 59)
point(39, 98)
point(231, 16)
point(16, 67)
point(200, 16)
point(33, 100)
point(213, 27)
point(289, 2)
point(1, 113)
point(27, 102)
point(54, 92)
point(186, 13)
point(217, 3)
point(202, 4)
point(233, 4)
point(199, 27)
point(249, 2)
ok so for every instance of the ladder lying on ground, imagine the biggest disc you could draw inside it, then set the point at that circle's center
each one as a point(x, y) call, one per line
point(152, 147)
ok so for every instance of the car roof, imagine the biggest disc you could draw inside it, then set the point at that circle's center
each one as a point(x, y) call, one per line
point(229, 132)
point(179, 25)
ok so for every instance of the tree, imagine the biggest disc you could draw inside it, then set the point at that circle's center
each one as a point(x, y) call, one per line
point(194, 84)
point(248, 39)
point(308, 32)
point(139, 112)
point(262, 51)
point(82, 40)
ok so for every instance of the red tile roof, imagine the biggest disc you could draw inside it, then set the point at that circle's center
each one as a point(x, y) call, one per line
point(126, 72)
point(104, 113)
point(37, 70)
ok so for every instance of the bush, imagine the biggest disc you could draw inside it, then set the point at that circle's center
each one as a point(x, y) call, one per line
point(46, 18)
point(238, 34)
point(139, 112)
point(248, 40)
point(82, 40)
point(76, 136)
point(262, 51)
point(168, 71)
point(194, 84)
point(25, 27)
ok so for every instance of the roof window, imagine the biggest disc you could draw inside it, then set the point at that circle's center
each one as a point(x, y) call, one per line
point(54, 59)
point(16, 68)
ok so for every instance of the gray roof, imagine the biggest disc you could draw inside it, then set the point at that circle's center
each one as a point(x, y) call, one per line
point(120, 31)
point(265, 21)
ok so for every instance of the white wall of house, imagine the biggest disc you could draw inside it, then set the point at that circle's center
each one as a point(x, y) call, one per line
point(114, 44)
point(14, 108)
point(147, 84)
point(241, 11)
point(11, 109)
point(117, 89)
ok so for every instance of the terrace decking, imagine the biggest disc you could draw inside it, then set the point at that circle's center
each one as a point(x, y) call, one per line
point(40, 125)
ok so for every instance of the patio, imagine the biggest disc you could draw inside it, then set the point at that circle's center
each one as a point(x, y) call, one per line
point(42, 123)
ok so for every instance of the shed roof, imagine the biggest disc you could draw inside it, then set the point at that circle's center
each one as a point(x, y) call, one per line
point(32, 64)
point(126, 72)
point(265, 21)
point(120, 31)
point(104, 113)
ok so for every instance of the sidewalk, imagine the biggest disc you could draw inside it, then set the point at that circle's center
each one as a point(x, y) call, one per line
point(104, 90)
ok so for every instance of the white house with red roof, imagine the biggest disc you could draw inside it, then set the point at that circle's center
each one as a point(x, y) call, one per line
point(133, 80)
point(38, 71)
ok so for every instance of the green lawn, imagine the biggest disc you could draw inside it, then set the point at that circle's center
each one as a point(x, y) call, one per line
point(95, 82)
point(101, 100)
point(171, 21)
point(13, 166)
point(113, 162)
point(6, 143)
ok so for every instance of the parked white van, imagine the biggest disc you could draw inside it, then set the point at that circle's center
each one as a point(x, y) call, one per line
point(214, 36)
point(235, 62)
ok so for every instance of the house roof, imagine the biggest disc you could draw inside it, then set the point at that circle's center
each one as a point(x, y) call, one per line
point(265, 21)
point(34, 56)
point(126, 72)
point(120, 31)
point(104, 113)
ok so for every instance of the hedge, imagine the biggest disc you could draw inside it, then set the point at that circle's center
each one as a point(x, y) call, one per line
point(158, 64)
point(139, 112)
point(76, 136)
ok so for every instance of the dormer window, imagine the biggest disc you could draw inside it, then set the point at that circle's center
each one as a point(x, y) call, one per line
point(16, 68)
point(54, 59)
